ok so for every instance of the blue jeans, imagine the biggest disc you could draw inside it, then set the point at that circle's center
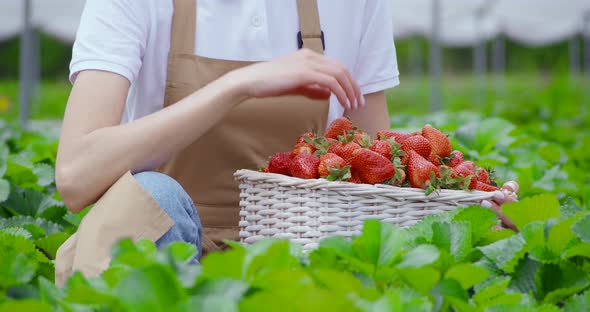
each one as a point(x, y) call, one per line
point(174, 200)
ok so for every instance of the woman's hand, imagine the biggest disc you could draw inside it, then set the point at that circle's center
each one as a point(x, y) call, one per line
point(507, 194)
point(301, 73)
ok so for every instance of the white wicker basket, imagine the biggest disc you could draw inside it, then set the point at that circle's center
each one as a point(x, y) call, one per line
point(305, 211)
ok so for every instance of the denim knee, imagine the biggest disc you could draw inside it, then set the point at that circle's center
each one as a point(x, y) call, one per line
point(174, 200)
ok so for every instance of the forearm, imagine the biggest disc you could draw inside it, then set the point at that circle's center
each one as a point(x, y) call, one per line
point(91, 163)
point(374, 116)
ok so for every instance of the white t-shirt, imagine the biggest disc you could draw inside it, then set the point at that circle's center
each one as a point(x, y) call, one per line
point(132, 38)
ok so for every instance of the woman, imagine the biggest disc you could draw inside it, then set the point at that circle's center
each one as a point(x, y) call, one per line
point(169, 98)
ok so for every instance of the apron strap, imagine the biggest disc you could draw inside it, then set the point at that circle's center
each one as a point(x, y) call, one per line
point(184, 22)
point(311, 35)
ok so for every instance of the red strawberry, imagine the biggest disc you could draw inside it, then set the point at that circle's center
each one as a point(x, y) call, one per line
point(280, 163)
point(372, 167)
point(456, 158)
point(465, 168)
point(419, 170)
point(328, 161)
point(484, 187)
point(418, 144)
point(386, 134)
point(439, 142)
point(355, 177)
point(482, 175)
point(433, 159)
point(305, 166)
point(340, 126)
point(361, 138)
point(383, 148)
point(344, 150)
point(265, 170)
point(302, 137)
point(303, 148)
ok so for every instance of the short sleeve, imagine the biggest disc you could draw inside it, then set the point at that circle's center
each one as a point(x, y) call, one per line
point(376, 68)
point(112, 37)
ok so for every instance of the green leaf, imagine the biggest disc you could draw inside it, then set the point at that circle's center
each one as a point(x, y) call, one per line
point(467, 274)
point(379, 243)
point(16, 231)
point(487, 291)
point(152, 288)
point(49, 292)
point(482, 220)
point(20, 171)
point(561, 234)
point(582, 229)
point(496, 235)
point(580, 302)
point(449, 288)
point(578, 249)
point(523, 279)
point(29, 202)
point(25, 305)
point(182, 252)
point(15, 269)
point(421, 279)
point(557, 281)
point(420, 256)
point(47, 226)
point(453, 237)
point(45, 174)
point(537, 208)
point(230, 290)
point(51, 243)
point(4, 190)
point(506, 253)
point(227, 264)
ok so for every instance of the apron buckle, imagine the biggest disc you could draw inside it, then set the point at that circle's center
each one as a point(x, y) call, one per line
point(300, 40)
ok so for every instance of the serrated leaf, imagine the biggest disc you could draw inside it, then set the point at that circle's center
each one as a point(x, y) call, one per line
point(579, 249)
point(453, 237)
point(421, 279)
point(47, 226)
point(536, 208)
point(506, 253)
point(29, 202)
point(379, 243)
point(523, 279)
point(4, 190)
point(45, 174)
point(20, 170)
point(557, 281)
point(15, 269)
point(467, 274)
point(16, 231)
point(51, 243)
point(419, 256)
point(482, 220)
point(496, 235)
point(488, 290)
point(561, 234)
point(582, 229)
point(578, 303)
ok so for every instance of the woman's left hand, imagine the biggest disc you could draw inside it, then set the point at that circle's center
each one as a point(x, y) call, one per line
point(506, 194)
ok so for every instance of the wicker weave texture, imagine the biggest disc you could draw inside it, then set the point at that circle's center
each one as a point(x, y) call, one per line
point(305, 211)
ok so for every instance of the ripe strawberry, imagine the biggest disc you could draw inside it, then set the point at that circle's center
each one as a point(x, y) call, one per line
point(482, 175)
point(280, 163)
point(305, 166)
point(372, 167)
point(302, 137)
point(400, 177)
point(439, 142)
point(302, 148)
point(355, 177)
point(466, 168)
point(382, 147)
point(361, 138)
point(419, 170)
point(386, 134)
point(344, 150)
point(340, 126)
point(418, 144)
point(484, 187)
point(434, 159)
point(456, 158)
point(330, 160)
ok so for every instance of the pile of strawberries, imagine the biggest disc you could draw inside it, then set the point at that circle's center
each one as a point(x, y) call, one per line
point(423, 159)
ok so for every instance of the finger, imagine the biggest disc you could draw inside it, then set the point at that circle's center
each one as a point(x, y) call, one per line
point(326, 81)
point(314, 92)
point(506, 222)
point(340, 73)
point(360, 102)
point(511, 186)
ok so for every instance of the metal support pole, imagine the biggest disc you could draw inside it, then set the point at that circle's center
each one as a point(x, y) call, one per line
point(25, 65)
point(499, 64)
point(435, 57)
point(574, 56)
point(415, 57)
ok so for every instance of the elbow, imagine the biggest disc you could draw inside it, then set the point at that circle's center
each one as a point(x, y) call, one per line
point(70, 189)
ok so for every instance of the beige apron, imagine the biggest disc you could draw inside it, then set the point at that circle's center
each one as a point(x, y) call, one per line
point(245, 138)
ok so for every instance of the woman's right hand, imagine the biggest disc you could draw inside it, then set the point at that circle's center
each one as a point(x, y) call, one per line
point(301, 73)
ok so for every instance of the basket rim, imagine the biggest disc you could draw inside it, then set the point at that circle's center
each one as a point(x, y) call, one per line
point(315, 184)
